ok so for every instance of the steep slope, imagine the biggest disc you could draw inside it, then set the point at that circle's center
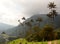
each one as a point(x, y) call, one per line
point(21, 30)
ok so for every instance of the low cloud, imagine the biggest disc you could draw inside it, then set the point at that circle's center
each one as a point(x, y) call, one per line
point(16, 9)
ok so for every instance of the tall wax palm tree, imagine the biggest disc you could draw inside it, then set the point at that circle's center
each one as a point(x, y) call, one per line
point(20, 22)
point(23, 18)
point(18, 30)
point(29, 32)
point(51, 5)
point(29, 22)
point(52, 14)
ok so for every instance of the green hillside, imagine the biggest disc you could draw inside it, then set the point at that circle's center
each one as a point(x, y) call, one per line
point(23, 41)
point(17, 41)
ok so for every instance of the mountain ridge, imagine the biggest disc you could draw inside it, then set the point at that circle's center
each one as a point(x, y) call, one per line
point(4, 27)
point(20, 29)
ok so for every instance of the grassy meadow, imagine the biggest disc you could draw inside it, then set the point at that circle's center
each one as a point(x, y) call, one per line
point(24, 42)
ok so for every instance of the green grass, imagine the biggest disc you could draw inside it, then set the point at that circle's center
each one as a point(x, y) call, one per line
point(24, 41)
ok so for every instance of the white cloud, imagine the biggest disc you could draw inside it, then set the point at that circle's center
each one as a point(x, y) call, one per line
point(12, 10)
point(9, 12)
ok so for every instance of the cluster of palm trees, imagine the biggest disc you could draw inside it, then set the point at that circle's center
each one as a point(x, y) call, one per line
point(51, 15)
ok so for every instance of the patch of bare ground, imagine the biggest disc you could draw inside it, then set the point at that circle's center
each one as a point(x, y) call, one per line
point(49, 42)
point(55, 42)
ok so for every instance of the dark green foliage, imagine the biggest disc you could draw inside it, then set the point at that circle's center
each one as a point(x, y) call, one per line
point(58, 35)
point(35, 33)
point(3, 33)
point(48, 33)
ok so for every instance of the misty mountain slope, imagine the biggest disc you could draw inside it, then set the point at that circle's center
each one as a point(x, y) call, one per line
point(57, 21)
point(46, 20)
point(4, 27)
point(21, 30)
point(14, 31)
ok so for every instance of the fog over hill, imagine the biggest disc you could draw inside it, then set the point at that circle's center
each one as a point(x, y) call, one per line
point(21, 29)
point(4, 27)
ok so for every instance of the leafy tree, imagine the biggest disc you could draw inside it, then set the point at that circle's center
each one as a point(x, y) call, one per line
point(3, 33)
point(48, 33)
point(34, 34)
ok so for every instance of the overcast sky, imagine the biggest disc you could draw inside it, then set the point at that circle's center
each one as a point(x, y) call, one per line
point(12, 10)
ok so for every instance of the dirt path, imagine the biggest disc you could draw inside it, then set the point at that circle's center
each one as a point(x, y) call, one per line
point(55, 42)
point(49, 42)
